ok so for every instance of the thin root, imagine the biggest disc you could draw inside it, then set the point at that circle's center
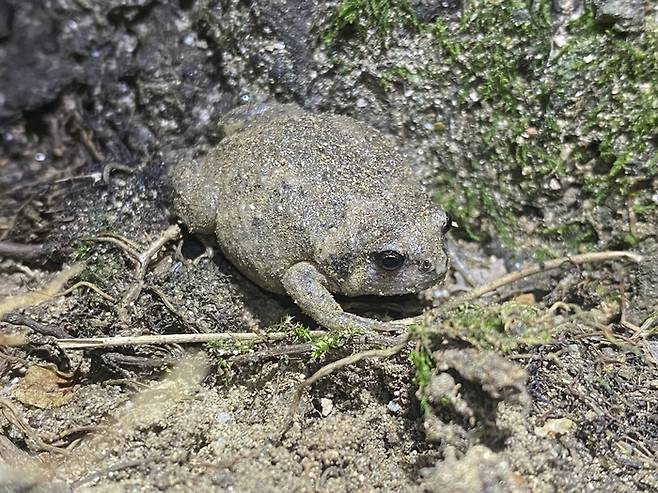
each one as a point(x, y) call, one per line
point(13, 416)
point(141, 258)
point(93, 287)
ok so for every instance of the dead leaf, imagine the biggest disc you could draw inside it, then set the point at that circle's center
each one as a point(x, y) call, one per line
point(43, 388)
point(525, 299)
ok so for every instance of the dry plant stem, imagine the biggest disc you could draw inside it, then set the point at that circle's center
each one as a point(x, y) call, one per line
point(287, 350)
point(44, 294)
point(108, 168)
point(77, 430)
point(170, 306)
point(88, 142)
point(47, 330)
point(350, 360)
point(176, 339)
point(299, 349)
point(584, 258)
point(93, 287)
point(126, 244)
point(14, 359)
point(15, 217)
point(21, 250)
point(118, 467)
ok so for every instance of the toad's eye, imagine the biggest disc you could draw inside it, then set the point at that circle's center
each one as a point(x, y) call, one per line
point(447, 225)
point(389, 260)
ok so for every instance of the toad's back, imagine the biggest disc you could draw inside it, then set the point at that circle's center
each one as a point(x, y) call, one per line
point(272, 191)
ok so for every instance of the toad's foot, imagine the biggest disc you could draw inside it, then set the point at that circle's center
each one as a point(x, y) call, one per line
point(306, 285)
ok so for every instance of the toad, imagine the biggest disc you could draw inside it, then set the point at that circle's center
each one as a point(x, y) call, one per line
point(312, 205)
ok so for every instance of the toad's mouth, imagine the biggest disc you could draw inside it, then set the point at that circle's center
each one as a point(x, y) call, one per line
point(393, 287)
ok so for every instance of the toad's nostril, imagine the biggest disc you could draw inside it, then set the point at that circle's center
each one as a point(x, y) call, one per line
point(426, 265)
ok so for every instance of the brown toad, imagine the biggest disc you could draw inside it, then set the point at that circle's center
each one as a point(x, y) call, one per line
point(311, 205)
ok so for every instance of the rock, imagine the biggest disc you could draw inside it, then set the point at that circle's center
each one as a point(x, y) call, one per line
point(43, 388)
point(624, 15)
point(37, 75)
point(566, 7)
point(430, 10)
point(555, 427)
point(327, 407)
point(479, 470)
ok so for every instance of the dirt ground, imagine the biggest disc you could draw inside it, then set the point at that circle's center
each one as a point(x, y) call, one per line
point(548, 384)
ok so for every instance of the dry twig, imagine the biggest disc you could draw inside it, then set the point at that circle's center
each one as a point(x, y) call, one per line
point(476, 293)
point(44, 294)
point(43, 329)
point(104, 342)
point(85, 284)
point(21, 251)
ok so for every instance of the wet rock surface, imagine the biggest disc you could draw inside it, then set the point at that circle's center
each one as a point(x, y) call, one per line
point(626, 15)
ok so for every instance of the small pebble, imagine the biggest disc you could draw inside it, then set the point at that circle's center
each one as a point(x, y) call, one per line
point(327, 407)
point(223, 418)
point(394, 407)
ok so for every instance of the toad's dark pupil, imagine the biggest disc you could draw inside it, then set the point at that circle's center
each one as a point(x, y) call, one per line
point(390, 260)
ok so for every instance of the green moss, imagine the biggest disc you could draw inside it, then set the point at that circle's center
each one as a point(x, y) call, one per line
point(333, 340)
point(496, 51)
point(500, 327)
point(320, 345)
point(470, 204)
point(101, 266)
point(572, 234)
point(82, 250)
point(585, 114)
point(544, 252)
point(359, 17)
point(220, 348)
point(612, 82)
point(395, 74)
point(423, 366)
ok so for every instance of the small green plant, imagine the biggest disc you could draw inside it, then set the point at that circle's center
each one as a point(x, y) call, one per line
point(219, 349)
point(299, 332)
point(101, 267)
point(423, 365)
point(83, 249)
point(572, 234)
point(333, 340)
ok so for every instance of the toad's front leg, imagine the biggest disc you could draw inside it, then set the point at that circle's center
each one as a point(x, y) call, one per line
point(307, 286)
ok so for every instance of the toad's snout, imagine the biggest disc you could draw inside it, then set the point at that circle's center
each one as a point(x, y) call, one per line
point(438, 266)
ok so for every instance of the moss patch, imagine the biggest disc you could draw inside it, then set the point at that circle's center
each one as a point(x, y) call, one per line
point(500, 327)
point(358, 18)
point(513, 118)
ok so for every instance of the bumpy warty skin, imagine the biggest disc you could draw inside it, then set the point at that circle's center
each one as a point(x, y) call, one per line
point(288, 187)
